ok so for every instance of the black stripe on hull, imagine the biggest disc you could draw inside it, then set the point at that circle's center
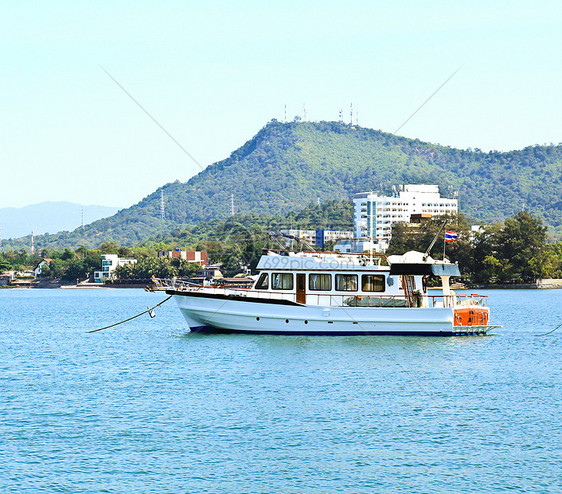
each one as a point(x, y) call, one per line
point(207, 329)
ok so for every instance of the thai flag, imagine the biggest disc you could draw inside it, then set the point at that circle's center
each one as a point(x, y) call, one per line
point(450, 236)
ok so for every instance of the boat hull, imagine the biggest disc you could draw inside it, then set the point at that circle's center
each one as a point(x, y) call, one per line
point(231, 315)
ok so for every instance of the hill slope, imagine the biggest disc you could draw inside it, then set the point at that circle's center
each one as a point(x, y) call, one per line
point(289, 165)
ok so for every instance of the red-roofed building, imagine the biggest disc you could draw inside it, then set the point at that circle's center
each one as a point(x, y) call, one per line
point(44, 262)
point(7, 277)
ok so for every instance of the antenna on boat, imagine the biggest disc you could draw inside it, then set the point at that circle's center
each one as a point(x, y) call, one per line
point(433, 241)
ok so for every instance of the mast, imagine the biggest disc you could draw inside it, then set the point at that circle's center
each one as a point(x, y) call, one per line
point(372, 241)
point(433, 241)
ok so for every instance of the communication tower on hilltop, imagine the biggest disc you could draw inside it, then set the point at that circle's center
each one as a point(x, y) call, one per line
point(162, 206)
point(285, 113)
point(304, 112)
point(351, 113)
point(341, 116)
point(82, 217)
point(231, 204)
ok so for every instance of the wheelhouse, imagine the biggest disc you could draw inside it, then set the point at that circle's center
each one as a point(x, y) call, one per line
point(344, 279)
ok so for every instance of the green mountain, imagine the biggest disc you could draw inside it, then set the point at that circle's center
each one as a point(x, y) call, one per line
point(287, 166)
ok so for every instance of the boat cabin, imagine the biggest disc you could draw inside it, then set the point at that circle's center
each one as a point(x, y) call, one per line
point(324, 278)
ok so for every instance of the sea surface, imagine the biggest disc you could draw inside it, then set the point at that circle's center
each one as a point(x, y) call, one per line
point(147, 407)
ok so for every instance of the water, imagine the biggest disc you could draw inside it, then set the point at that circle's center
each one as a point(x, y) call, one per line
point(148, 408)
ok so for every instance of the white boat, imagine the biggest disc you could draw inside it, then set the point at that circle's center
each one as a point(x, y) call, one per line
point(337, 294)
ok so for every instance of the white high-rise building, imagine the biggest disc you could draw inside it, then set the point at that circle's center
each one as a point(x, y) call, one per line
point(374, 215)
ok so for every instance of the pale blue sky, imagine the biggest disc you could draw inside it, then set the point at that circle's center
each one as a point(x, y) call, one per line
point(213, 73)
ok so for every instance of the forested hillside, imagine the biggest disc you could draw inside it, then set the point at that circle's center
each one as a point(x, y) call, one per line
point(287, 166)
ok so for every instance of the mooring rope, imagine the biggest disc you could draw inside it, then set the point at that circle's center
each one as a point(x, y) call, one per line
point(130, 318)
point(550, 332)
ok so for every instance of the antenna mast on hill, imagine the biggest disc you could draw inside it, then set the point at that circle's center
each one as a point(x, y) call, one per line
point(162, 206)
point(82, 217)
point(351, 113)
point(304, 112)
point(231, 204)
point(285, 113)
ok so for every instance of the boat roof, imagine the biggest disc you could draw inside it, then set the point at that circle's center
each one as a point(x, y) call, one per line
point(413, 263)
point(417, 263)
point(318, 261)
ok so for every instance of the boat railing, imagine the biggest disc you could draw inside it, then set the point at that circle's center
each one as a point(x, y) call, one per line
point(433, 301)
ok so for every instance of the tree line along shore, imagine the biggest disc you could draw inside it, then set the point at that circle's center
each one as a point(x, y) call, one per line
point(515, 252)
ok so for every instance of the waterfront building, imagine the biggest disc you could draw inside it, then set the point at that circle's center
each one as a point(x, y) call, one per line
point(374, 215)
point(39, 268)
point(325, 236)
point(308, 236)
point(318, 237)
point(6, 278)
point(211, 271)
point(109, 263)
point(199, 257)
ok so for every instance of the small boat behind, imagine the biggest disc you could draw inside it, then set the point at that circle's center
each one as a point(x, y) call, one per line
point(337, 294)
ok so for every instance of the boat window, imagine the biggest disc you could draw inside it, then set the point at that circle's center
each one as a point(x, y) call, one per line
point(346, 282)
point(372, 283)
point(320, 282)
point(282, 281)
point(263, 282)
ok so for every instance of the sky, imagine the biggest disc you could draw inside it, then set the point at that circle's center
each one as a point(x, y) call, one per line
point(213, 73)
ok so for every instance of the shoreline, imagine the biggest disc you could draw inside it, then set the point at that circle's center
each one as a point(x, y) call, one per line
point(72, 287)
